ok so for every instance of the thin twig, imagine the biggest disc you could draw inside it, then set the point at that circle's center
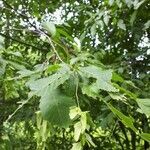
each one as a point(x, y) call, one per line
point(19, 107)
point(53, 47)
point(18, 13)
point(22, 42)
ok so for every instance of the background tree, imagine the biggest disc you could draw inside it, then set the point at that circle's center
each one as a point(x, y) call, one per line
point(74, 74)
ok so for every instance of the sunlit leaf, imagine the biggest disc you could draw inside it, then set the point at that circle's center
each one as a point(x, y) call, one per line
point(103, 77)
point(1, 42)
point(144, 104)
point(77, 131)
point(77, 146)
point(50, 27)
point(83, 121)
point(74, 111)
point(89, 140)
point(137, 5)
point(145, 136)
point(121, 24)
point(147, 25)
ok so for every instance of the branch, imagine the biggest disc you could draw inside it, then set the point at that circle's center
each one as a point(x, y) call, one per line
point(20, 14)
point(22, 42)
point(34, 26)
point(53, 47)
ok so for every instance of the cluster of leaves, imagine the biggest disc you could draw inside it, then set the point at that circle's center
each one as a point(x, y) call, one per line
point(75, 88)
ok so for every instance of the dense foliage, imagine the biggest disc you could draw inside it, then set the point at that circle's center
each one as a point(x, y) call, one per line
point(74, 75)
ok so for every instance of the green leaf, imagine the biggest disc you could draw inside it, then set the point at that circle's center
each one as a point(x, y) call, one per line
point(93, 30)
point(1, 42)
point(106, 19)
point(44, 130)
point(127, 121)
point(38, 119)
point(39, 86)
point(18, 54)
point(147, 25)
point(133, 17)
point(83, 121)
point(16, 65)
point(126, 92)
point(145, 136)
point(144, 104)
point(117, 96)
point(130, 83)
point(64, 33)
point(82, 36)
point(77, 131)
point(137, 5)
point(52, 68)
point(2, 66)
point(25, 73)
point(129, 3)
point(103, 77)
point(89, 140)
point(121, 24)
point(50, 28)
point(77, 146)
point(116, 77)
point(106, 120)
point(111, 2)
point(90, 90)
point(54, 106)
point(74, 111)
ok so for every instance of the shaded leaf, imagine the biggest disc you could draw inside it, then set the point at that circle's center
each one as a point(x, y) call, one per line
point(54, 106)
point(127, 121)
point(90, 90)
point(133, 17)
point(2, 66)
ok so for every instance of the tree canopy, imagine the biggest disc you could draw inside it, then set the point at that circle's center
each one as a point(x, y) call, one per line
point(74, 74)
